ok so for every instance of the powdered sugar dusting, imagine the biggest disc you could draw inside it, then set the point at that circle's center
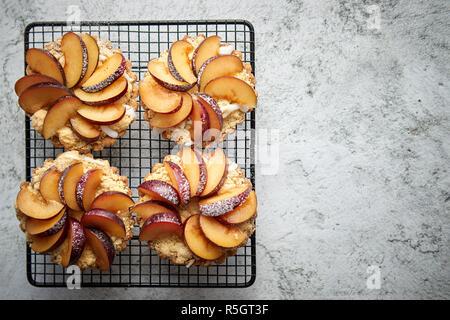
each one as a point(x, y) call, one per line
point(163, 189)
point(203, 178)
point(79, 189)
point(162, 217)
point(223, 206)
point(182, 182)
point(212, 102)
point(217, 208)
point(185, 189)
point(78, 240)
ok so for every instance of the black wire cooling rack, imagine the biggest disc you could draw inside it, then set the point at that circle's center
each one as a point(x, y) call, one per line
point(139, 149)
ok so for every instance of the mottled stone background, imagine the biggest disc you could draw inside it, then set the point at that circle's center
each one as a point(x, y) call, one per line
point(359, 91)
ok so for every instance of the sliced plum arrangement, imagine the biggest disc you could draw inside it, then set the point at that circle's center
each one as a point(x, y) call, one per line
point(69, 210)
point(194, 86)
point(194, 207)
point(71, 83)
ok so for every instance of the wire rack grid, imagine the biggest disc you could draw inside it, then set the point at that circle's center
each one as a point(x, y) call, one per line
point(139, 149)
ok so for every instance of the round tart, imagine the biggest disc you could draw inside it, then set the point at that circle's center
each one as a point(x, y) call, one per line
point(198, 91)
point(195, 208)
point(77, 210)
point(79, 91)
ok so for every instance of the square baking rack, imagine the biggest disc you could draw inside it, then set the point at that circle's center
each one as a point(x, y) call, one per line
point(139, 149)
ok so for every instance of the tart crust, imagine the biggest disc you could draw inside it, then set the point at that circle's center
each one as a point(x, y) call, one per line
point(180, 133)
point(65, 136)
point(111, 181)
point(173, 247)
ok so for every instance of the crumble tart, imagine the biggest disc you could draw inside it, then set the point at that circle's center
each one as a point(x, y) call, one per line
point(196, 208)
point(77, 210)
point(197, 91)
point(79, 91)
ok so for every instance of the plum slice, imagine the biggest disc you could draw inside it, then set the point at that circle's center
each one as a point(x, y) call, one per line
point(103, 115)
point(160, 225)
point(197, 242)
point(59, 114)
point(48, 185)
point(93, 53)
point(30, 80)
point(46, 227)
point(225, 236)
point(41, 95)
point(113, 201)
point(45, 63)
point(241, 213)
point(215, 117)
point(102, 246)
point(224, 202)
point(160, 72)
point(200, 121)
point(217, 66)
point(216, 168)
point(34, 207)
point(84, 129)
point(179, 181)
point(179, 63)
point(75, 243)
point(194, 167)
point(108, 73)
point(232, 89)
point(87, 186)
point(68, 184)
point(76, 58)
point(207, 49)
point(104, 220)
point(44, 244)
point(160, 190)
point(109, 94)
point(159, 99)
point(167, 120)
point(148, 208)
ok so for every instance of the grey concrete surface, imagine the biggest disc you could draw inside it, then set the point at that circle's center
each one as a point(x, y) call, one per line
point(359, 91)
